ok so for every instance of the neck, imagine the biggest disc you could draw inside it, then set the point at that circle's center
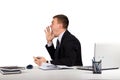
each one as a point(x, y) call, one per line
point(61, 31)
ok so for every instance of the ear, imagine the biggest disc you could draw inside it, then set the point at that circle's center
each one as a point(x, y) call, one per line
point(60, 25)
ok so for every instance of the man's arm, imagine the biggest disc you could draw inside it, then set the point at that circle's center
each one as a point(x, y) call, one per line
point(51, 51)
point(70, 50)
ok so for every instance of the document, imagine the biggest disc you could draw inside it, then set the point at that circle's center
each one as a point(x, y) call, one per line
point(48, 66)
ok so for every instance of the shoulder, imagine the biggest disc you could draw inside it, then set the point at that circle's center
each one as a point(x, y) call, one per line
point(68, 37)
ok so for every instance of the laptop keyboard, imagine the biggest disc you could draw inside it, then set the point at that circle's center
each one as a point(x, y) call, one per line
point(85, 68)
point(90, 68)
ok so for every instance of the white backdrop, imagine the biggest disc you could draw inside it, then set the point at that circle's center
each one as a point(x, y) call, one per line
point(22, 24)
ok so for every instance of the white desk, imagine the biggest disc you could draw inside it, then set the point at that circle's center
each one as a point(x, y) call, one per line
point(68, 74)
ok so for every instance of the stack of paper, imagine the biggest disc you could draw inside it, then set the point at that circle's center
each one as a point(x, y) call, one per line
point(11, 70)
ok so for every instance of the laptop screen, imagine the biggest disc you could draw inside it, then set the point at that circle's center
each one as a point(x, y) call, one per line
point(109, 53)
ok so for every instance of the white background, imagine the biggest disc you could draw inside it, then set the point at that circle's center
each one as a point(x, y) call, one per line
point(22, 24)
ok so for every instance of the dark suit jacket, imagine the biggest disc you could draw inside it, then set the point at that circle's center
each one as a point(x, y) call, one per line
point(69, 51)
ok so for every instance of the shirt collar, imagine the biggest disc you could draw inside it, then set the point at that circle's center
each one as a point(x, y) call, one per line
point(60, 36)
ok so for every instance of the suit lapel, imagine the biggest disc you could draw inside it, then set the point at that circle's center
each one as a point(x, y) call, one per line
point(62, 42)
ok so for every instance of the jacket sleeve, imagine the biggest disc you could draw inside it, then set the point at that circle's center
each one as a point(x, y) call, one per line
point(51, 51)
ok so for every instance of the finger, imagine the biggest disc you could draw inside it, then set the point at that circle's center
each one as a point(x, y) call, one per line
point(38, 63)
point(48, 28)
point(45, 31)
point(38, 57)
point(35, 60)
point(34, 57)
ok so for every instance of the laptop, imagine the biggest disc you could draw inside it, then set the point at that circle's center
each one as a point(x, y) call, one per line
point(108, 53)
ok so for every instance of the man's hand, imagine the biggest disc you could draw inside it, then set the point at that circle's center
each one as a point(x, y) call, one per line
point(49, 34)
point(39, 60)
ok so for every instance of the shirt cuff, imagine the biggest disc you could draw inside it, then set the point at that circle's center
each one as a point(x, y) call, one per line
point(49, 44)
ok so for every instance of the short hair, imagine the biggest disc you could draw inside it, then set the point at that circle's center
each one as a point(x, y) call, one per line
point(62, 19)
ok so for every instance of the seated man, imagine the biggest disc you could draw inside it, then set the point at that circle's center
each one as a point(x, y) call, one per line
point(68, 49)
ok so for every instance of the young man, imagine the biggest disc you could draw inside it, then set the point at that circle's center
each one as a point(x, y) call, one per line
point(68, 51)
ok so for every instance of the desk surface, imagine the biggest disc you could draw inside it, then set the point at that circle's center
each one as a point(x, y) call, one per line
point(66, 74)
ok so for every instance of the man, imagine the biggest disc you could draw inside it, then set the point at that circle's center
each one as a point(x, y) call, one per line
point(68, 51)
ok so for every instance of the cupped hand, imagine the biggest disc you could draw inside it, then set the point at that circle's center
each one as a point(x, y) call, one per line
point(49, 34)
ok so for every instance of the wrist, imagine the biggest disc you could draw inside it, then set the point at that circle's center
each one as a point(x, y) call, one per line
point(49, 42)
point(48, 62)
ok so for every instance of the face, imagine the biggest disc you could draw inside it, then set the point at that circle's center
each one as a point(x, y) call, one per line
point(55, 27)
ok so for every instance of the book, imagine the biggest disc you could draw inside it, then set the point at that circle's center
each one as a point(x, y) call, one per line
point(11, 70)
point(12, 67)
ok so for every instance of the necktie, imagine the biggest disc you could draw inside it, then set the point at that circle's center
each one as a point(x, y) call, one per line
point(57, 44)
point(57, 49)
